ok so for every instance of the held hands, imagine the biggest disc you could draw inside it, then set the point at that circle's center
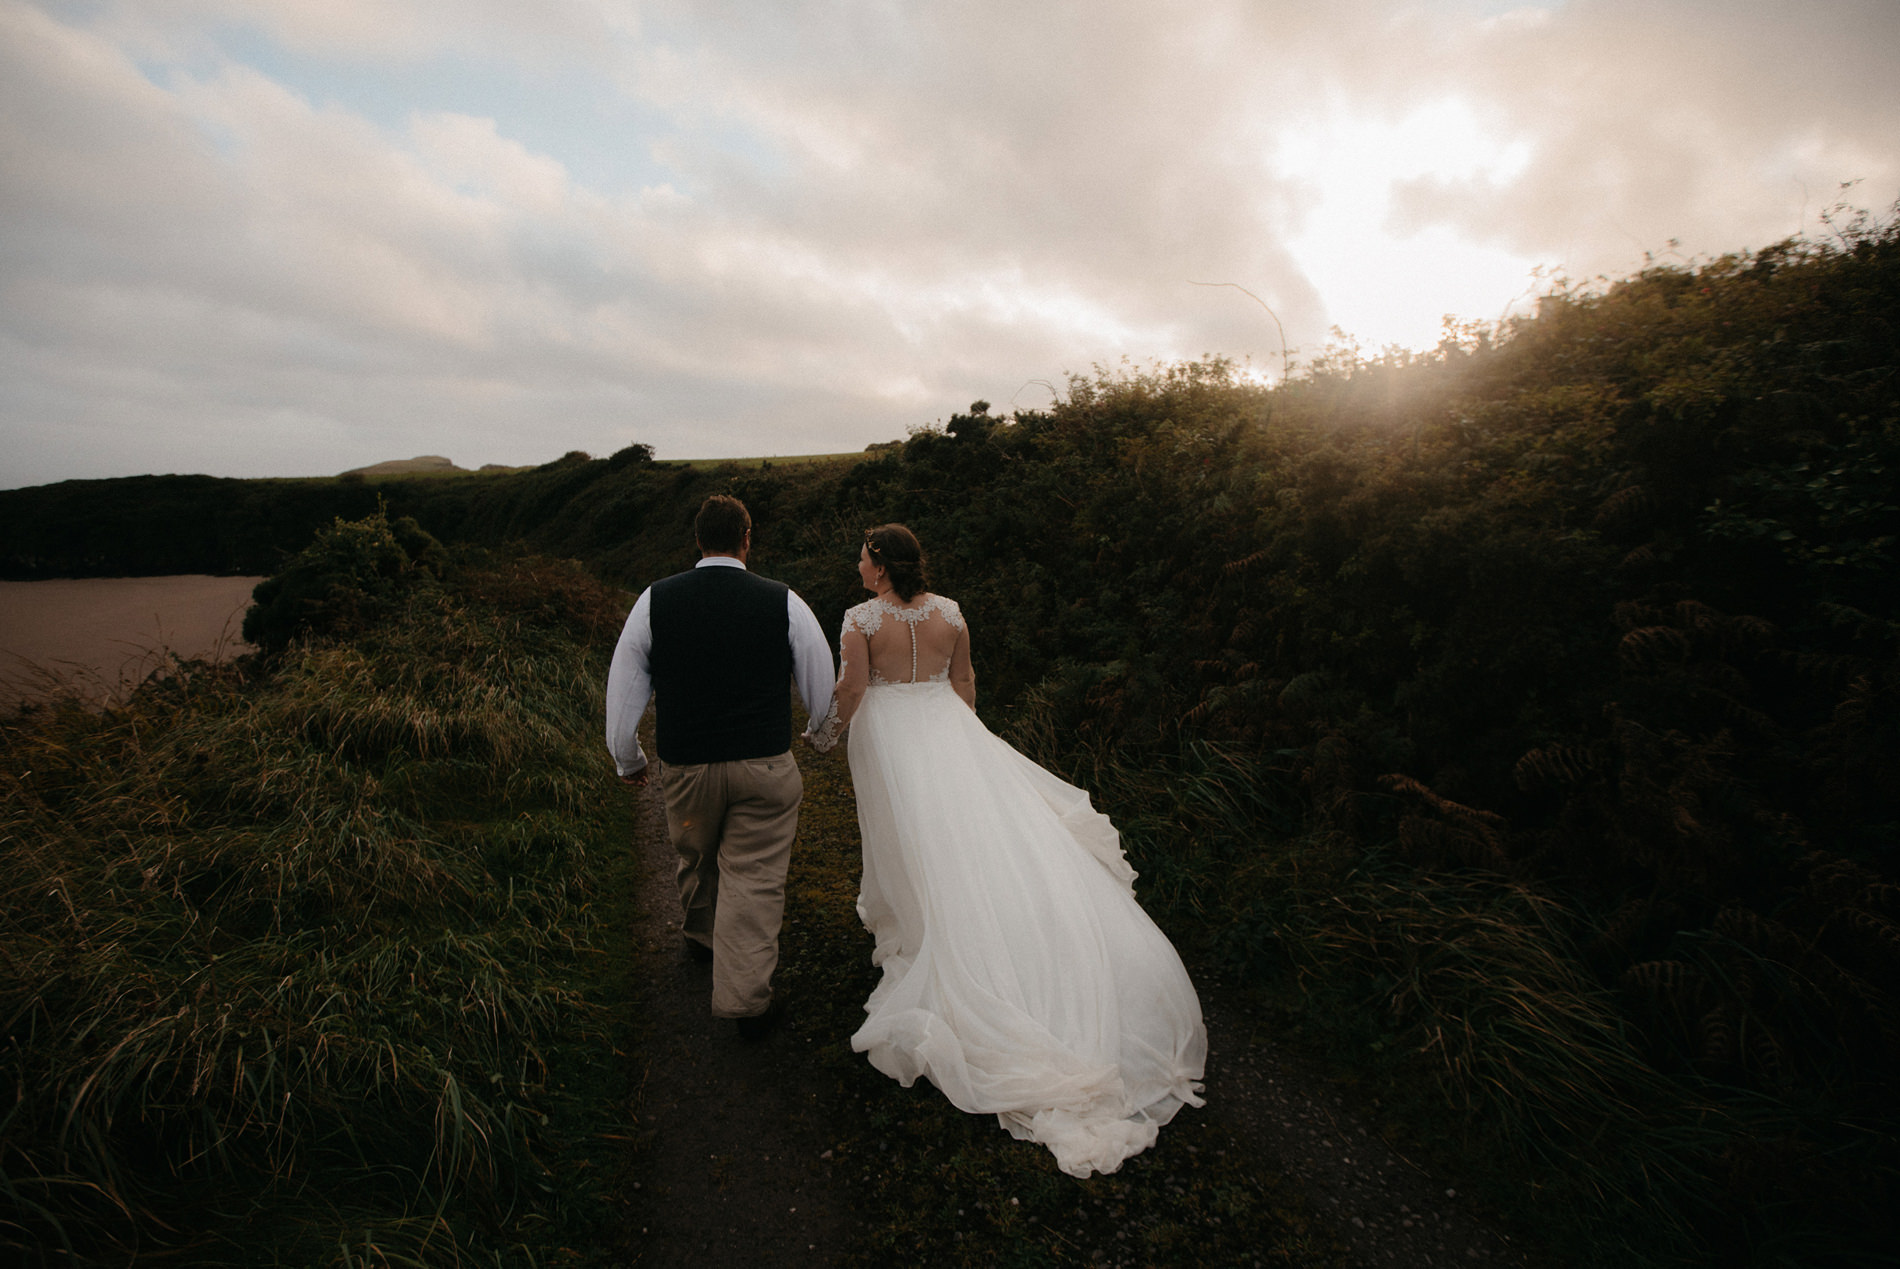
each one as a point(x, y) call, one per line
point(824, 737)
point(638, 780)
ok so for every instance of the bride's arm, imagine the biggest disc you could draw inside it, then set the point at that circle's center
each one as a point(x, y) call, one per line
point(854, 673)
point(962, 673)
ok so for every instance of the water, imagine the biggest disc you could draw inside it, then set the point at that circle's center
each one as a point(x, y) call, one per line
point(103, 635)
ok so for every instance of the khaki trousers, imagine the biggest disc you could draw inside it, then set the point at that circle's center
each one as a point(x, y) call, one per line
point(732, 824)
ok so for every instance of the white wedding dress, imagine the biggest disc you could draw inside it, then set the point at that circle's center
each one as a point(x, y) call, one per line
point(1019, 974)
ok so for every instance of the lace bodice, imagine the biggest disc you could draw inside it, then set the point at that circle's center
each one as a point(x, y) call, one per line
point(883, 644)
point(868, 620)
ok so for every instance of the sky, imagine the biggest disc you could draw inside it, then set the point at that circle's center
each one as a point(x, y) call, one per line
point(291, 237)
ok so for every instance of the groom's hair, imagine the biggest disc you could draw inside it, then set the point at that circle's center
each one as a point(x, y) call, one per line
point(721, 524)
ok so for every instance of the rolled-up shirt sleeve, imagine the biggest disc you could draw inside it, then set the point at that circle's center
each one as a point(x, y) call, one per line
point(630, 687)
point(811, 659)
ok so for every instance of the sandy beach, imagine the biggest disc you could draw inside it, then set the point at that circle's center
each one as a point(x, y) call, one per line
point(103, 635)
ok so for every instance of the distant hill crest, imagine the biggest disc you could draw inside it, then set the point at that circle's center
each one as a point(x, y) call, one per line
point(403, 466)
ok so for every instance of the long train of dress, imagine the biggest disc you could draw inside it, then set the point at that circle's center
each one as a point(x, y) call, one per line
point(1020, 976)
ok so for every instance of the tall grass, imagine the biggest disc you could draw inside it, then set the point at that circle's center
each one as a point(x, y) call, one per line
point(297, 943)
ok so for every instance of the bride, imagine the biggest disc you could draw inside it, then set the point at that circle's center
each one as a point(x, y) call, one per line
point(1019, 974)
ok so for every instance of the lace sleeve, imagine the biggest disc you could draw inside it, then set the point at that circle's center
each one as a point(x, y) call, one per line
point(854, 669)
point(824, 737)
point(961, 672)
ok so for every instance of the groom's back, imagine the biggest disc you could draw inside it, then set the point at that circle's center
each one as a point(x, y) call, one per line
point(722, 665)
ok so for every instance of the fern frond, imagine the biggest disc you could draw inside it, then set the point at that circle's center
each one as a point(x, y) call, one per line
point(1651, 647)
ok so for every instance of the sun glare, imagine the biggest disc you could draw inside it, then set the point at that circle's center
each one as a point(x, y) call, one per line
point(1386, 284)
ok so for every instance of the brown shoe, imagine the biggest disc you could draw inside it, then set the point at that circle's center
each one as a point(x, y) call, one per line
point(760, 1025)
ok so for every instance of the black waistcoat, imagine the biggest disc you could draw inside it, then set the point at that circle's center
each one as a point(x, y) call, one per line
point(722, 666)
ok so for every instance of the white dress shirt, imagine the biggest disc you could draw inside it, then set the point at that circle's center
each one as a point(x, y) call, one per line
point(630, 676)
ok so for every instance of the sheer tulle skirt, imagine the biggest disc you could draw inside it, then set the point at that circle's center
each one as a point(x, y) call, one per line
point(1020, 975)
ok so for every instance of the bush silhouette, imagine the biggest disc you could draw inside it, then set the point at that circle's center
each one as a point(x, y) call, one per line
point(350, 577)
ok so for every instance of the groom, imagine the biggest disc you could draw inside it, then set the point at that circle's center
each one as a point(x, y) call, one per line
point(716, 645)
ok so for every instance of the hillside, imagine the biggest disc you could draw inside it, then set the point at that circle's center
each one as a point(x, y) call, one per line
point(1521, 717)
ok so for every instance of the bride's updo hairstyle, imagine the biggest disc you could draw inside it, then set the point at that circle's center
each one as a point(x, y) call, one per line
point(895, 549)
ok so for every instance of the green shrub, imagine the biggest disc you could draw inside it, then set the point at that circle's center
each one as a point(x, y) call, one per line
point(353, 575)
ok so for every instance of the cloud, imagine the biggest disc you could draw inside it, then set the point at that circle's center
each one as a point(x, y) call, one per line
point(269, 238)
point(1721, 126)
point(393, 32)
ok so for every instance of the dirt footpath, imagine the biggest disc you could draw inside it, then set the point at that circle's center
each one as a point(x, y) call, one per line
point(731, 1131)
point(733, 1142)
